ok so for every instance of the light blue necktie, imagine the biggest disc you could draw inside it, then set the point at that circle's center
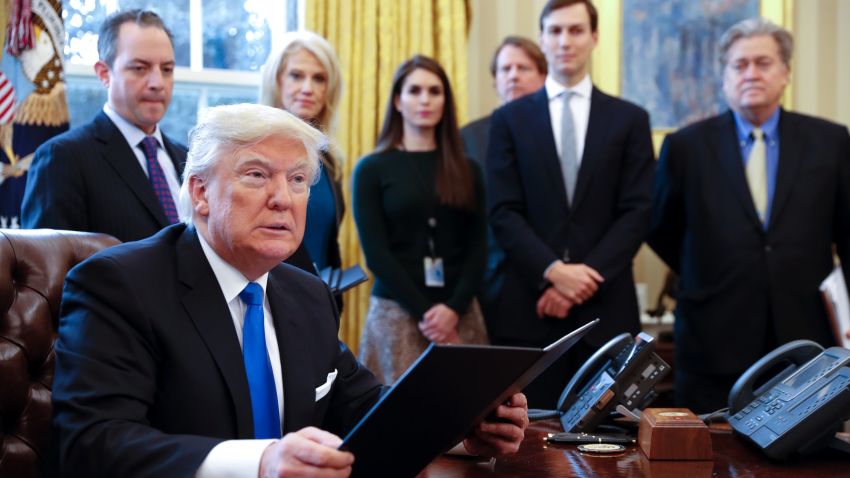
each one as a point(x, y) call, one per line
point(569, 152)
point(257, 365)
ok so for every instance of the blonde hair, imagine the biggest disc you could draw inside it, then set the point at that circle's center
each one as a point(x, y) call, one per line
point(274, 67)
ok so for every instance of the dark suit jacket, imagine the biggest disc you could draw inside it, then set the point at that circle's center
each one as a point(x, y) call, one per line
point(88, 179)
point(476, 136)
point(535, 226)
point(149, 370)
point(736, 279)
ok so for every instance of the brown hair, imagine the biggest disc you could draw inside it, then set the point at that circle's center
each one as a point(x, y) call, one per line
point(455, 186)
point(553, 5)
point(529, 47)
point(107, 38)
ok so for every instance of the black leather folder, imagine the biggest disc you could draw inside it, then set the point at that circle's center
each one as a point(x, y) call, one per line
point(440, 399)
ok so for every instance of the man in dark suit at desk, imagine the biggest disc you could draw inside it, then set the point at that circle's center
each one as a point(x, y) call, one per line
point(119, 174)
point(569, 172)
point(192, 352)
point(748, 206)
point(519, 69)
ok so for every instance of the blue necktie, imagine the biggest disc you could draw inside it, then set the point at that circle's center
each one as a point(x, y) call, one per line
point(257, 365)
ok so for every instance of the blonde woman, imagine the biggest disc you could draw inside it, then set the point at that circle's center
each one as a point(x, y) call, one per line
point(304, 78)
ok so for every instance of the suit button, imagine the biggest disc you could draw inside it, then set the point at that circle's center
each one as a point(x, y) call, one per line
point(767, 248)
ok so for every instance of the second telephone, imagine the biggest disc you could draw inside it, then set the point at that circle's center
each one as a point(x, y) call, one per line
point(623, 372)
point(798, 409)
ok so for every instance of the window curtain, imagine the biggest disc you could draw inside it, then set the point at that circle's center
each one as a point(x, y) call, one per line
point(371, 38)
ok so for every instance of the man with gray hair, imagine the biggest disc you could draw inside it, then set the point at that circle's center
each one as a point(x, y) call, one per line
point(748, 207)
point(196, 352)
point(118, 174)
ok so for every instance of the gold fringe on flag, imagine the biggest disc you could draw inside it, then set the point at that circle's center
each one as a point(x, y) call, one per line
point(44, 109)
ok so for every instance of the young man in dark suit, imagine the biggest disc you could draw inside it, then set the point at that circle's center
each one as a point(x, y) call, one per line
point(196, 352)
point(569, 173)
point(748, 206)
point(119, 174)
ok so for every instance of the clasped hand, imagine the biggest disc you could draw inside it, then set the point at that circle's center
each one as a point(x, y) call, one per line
point(578, 282)
point(439, 324)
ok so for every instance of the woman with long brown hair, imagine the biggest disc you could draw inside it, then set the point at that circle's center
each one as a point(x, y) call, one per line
point(419, 208)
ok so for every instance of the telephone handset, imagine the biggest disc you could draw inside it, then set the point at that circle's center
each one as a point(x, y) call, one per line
point(800, 407)
point(623, 372)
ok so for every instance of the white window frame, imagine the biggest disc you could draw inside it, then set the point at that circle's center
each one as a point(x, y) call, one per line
point(195, 74)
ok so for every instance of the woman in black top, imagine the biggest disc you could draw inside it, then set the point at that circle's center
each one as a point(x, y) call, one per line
point(419, 208)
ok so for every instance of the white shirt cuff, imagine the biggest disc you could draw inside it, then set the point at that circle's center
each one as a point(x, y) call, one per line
point(234, 459)
point(459, 450)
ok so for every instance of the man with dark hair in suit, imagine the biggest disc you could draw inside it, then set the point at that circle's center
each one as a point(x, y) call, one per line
point(518, 68)
point(196, 352)
point(119, 174)
point(569, 172)
point(748, 207)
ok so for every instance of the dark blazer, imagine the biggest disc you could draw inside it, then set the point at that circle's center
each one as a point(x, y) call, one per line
point(736, 279)
point(88, 179)
point(476, 136)
point(149, 370)
point(334, 254)
point(535, 226)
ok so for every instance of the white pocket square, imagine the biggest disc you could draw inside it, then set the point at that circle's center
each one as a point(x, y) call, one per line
point(326, 387)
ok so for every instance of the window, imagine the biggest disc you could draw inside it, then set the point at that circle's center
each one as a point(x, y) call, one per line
point(219, 47)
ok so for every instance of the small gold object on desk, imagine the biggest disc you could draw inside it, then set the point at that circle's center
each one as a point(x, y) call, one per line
point(673, 434)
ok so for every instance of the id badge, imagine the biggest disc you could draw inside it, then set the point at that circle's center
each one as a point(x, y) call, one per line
point(434, 276)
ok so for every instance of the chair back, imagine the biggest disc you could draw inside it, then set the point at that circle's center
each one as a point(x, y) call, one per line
point(33, 264)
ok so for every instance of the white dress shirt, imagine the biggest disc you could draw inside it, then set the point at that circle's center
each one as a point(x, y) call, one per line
point(580, 106)
point(241, 458)
point(134, 136)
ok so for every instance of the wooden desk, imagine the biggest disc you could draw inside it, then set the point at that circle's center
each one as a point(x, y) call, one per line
point(732, 458)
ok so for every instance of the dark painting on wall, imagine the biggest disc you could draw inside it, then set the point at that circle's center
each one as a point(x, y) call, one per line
point(669, 56)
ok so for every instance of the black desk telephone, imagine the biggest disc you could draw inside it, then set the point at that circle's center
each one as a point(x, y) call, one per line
point(799, 409)
point(623, 372)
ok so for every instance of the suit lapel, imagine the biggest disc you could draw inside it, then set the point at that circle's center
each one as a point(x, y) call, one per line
point(790, 158)
point(120, 157)
point(729, 157)
point(207, 309)
point(597, 133)
point(295, 358)
point(539, 121)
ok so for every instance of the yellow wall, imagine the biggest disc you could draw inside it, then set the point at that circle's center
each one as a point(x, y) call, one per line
point(820, 76)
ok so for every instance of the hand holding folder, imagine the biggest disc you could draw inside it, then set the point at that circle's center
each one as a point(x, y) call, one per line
point(834, 292)
point(440, 400)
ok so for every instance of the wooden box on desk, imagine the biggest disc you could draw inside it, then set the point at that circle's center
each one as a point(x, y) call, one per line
point(673, 434)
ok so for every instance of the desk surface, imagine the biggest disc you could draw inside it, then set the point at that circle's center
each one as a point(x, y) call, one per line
point(732, 458)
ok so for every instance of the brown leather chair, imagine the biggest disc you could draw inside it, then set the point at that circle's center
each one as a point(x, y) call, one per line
point(33, 264)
